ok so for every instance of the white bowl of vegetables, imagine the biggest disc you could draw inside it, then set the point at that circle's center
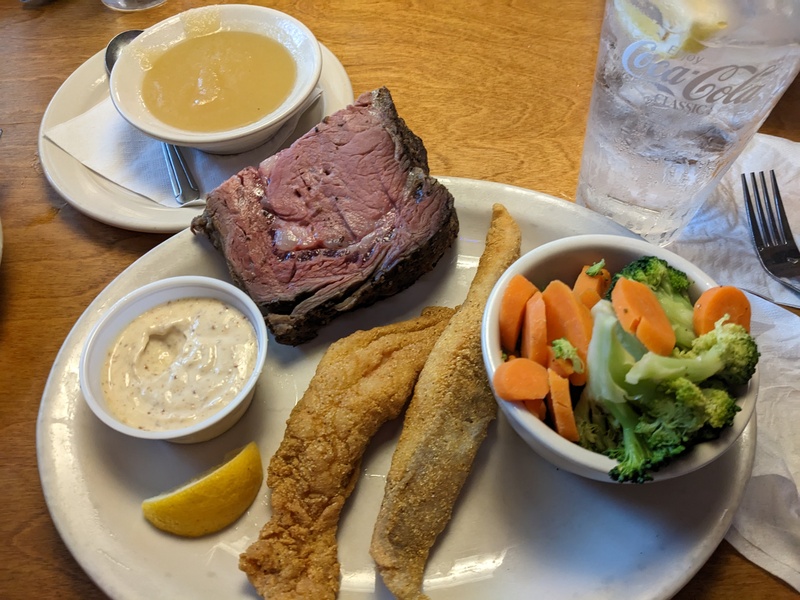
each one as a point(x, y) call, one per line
point(619, 360)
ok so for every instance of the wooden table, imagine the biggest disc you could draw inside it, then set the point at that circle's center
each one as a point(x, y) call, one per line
point(498, 89)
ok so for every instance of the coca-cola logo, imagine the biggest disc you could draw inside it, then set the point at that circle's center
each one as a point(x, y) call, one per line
point(728, 84)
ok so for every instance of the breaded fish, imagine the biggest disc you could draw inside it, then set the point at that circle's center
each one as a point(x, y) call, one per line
point(361, 382)
point(444, 425)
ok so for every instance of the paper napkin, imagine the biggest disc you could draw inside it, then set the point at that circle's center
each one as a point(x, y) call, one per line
point(108, 145)
point(766, 527)
point(718, 237)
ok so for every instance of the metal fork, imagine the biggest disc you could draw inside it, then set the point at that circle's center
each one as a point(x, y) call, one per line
point(772, 236)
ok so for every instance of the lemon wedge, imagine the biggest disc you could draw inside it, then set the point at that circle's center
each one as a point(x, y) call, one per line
point(701, 31)
point(212, 501)
point(684, 25)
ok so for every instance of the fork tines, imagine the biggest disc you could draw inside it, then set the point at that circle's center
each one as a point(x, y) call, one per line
point(771, 233)
point(769, 221)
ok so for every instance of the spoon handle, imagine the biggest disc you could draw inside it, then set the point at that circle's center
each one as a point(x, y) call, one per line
point(182, 179)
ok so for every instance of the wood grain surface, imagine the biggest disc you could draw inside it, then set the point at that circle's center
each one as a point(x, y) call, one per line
point(498, 90)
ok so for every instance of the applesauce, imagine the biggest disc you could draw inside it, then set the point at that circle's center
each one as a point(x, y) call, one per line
point(219, 81)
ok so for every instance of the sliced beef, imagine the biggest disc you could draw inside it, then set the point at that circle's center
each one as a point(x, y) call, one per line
point(344, 217)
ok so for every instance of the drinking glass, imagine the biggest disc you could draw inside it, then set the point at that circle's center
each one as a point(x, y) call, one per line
point(680, 87)
point(131, 5)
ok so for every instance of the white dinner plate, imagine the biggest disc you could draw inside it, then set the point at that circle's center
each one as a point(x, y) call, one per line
point(521, 528)
point(110, 203)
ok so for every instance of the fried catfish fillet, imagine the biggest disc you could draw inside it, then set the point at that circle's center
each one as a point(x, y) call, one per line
point(361, 382)
point(445, 423)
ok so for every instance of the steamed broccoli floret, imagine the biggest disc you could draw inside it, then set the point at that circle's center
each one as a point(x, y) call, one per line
point(681, 411)
point(727, 353)
point(608, 362)
point(562, 348)
point(721, 407)
point(596, 268)
point(596, 431)
point(670, 286)
point(642, 413)
point(678, 406)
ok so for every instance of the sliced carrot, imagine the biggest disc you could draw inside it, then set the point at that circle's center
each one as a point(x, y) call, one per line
point(512, 310)
point(641, 314)
point(533, 344)
point(565, 368)
point(562, 366)
point(591, 288)
point(537, 407)
point(520, 379)
point(589, 297)
point(715, 303)
point(559, 403)
point(567, 317)
point(563, 363)
point(576, 378)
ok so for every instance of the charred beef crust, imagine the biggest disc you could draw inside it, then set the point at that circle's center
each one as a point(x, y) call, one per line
point(301, 289)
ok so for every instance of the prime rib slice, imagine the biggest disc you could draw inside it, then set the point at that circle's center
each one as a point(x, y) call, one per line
point(345, 216)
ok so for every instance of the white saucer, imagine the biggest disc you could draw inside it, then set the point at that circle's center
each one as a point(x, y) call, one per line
point(109, 203)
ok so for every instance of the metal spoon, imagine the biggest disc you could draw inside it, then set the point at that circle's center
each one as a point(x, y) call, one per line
point(172, 153)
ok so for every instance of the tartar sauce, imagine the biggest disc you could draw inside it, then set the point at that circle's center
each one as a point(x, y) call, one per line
point(179, 363)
